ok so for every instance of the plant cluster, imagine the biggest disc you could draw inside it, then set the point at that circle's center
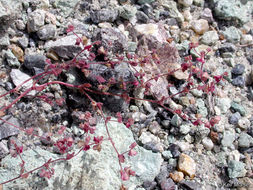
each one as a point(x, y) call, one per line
point(195, 69)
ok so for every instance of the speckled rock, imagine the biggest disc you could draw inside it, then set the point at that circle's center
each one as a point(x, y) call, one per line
point(232, 34)
point(47, 32)
point(177, 176)
point(36, 19)
point(238, 69)
point(228, 138)
point(236, 169)
point(245, 140)
point(210, 38)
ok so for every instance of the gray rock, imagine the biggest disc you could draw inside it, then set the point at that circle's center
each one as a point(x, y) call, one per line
point(3, 149)
point(9, 9)
point(207, 15)
point(184, 129)
point(243, 123)
point(236, 169)
point(90, 170)
point(142, 17)
point(171, 6)
point(176, 120)
point(234, 118)
point(36, 60)
point(224, 104)
point(64, 47)
point(238, 69)
point(36, 19)
point(4, 40)
point(227, 47)
point(232, 10)
point(47, 32)
point(10, 58)
point(207, 143)
point(19, 77)
point(112, 39)
point(201, 133)
point(201, 107)
point(127, 11)
point(185, 3)
point(245, 140)
point(66, 6)
point(7, 129)
point(145, 1)
point(228, 138)
point(232, 34)
point(23, 42)
point(104, 15)
point(238, 108)
point(210, 38)
point(239, 81)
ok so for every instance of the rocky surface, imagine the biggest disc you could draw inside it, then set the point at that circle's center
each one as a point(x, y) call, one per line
point(173, 153)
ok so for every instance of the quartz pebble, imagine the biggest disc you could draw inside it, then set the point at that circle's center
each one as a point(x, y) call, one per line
point(187, 165)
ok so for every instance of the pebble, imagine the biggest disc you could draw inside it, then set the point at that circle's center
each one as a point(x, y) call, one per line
point(228, 138)
point(175, 150)
point(47, 32)
point(236, 169)
point(210, 38)
point(239, 81)
point(187, 165)
point(184, 129)
point(232, 34)
point(244, 123)
point(18, 52)
point(176, 120)
point(234, 118)
point(177, 176)
point(208, 143)
point(246, 39)
point(238, 69)
point(185, 3)
point(245, 140)
point(36, 19)
point(200, 26)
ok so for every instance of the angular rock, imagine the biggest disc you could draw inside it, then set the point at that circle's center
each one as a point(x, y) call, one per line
point(36, 60)
point(11, 58)
point(185, 3)
point(234, 118)
point(127, 12)
point(239, 81)
point(89, 170)
point(111, 39)
point(232, 34)
point(210, 38)
point(232, 10)
point(245, 140)
point(238, 108)
point(3, 149)
point(7, 130)
point(171, 6)
point(238, 69)
point(228, 138)
point(200, 26)
point(64, 47)
point(47, 32)
point(104, 15)
point(236, 169)
point(9, 9)
point(187, 165)
point(36, 19)
point(19, 77)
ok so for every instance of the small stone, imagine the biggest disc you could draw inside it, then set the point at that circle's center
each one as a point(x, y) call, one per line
point(5, 40)
point(244, 123)
point(36, 60)
point(127, 12)
point(201, 107)
point(246, 39)
point(167, 155)
point(187, 165)
point(200, 26)
point(138, 116)
point(184, 129)
point(104, 15)
point(224, 104)
point(245, 140)
point(239, 81)
point(228, 138)
point(11, 58)
point(207, 15)
point(232, 34)
point(238, 69)
point(8, 130)
point(3, 149)
point(236, 169)
point(177, 176)
point(185, 3)
point(175, 150)
point(234, 118)
point(18, 52)
point(176, 120)
point(23, 42)
point(238, 108)
point(36, 19)
point(19, 77)
point(184, 100)
point(210, 38)
point(207, 143)
point(47, 32)
point(154, 127)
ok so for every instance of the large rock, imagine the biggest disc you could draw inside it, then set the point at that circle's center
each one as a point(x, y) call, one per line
point(233, 10)
point(9, 9)
point(36, 19)
point(91, 170)
point(6, 129)
point(18, 77)
point(64, 47)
